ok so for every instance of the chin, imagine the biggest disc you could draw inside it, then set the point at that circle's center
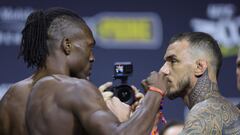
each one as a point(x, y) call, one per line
point(172, 96)
point(83, 76)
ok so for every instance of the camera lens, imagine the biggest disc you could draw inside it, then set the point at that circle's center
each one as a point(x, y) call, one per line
point(125, 94)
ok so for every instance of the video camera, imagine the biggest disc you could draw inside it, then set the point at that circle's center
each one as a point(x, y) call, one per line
point(121, 89)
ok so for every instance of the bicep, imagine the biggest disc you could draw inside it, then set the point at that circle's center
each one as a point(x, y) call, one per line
point(96, 115)
point(103, 122)
point(93, 113)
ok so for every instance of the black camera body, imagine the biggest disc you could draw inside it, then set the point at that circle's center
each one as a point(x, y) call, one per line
point(120, 88)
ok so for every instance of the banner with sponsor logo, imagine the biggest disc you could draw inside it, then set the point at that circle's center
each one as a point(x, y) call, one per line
point(223, 23)
point(136, 31)
point(127, 30)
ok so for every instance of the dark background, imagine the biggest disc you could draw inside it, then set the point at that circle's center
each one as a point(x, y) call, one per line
point(175, 17)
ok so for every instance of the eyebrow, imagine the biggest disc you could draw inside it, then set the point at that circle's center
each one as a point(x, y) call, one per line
point(170, 57)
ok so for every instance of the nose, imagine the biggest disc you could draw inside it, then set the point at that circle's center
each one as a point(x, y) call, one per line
point(165, 69)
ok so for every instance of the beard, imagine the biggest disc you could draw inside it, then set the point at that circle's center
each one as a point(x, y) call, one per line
point(181, 89)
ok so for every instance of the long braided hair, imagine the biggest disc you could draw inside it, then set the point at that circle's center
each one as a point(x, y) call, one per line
point(34, 48)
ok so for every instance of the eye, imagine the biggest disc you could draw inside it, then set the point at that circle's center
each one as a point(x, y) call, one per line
point(173, 61)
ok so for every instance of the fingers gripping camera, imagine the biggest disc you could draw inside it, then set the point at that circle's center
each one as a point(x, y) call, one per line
point(121, 89)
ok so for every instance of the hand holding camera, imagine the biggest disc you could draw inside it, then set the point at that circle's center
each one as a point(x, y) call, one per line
point(121, 110)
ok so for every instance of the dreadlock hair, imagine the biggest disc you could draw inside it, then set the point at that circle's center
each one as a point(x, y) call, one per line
point(34, 48)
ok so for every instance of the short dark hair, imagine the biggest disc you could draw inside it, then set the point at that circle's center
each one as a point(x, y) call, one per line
point(205, 42)
point(33, 48)
point(169, 125)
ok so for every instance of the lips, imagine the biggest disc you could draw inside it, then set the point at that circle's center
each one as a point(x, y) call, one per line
point(169, 80)
point(89, 73)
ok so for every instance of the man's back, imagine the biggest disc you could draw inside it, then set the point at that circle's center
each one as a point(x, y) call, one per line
point(47, 114)
point(51, 110)
point(13, 107)
point(63, 105)
point(215, 116)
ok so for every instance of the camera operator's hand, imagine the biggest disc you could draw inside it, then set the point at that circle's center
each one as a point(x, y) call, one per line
point(121, 110)
point(103, 89)
point(138, 98)
point(156, 79)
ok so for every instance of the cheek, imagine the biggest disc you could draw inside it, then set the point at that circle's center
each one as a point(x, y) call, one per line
point(82, 61)
point(78, 60)
point(182, 74)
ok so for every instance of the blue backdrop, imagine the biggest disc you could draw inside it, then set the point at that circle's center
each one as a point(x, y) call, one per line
point(136, 30)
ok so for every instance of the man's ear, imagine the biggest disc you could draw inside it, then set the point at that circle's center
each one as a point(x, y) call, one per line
point(201, 67)
point(67, 46)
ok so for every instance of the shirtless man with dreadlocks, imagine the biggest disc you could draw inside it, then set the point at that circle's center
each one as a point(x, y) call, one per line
point(62, 100)
point(13, 104)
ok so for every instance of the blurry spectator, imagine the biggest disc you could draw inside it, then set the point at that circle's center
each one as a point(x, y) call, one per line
point(172, 128)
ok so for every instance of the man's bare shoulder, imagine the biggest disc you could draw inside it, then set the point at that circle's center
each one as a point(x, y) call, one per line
point(216, 106)
point(64, 83)
point(70, 94)
point(18, 91)
point(212, 116)
point(68, 90)
point(14, 99)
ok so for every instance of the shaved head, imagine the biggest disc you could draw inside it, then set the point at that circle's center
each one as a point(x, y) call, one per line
point(64, 27)
point(202, 46)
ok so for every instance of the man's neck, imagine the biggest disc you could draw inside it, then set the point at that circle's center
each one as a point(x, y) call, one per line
point(56, 64)
point(204, 89)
